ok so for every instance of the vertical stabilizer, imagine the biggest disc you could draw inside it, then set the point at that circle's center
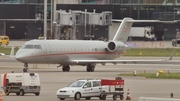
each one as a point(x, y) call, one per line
point(124, 30)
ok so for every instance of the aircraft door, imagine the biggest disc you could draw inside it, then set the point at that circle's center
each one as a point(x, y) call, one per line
point(47, 50)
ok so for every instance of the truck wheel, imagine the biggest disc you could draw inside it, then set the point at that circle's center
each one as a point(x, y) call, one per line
point(37, 94)
point(77, 96)
point(17, 94)
point(62, 98)
point(88, 98)
point(114, 97)
point(102, 97)
point(121, 97)
point(21, 93)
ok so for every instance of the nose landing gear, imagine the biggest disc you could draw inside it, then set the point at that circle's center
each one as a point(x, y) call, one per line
point(25, 69)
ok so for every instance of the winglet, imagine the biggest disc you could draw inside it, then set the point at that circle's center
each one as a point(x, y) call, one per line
point(12, 52)
point(172, 54)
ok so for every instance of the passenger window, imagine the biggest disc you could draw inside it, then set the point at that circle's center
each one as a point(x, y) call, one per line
point(88, 84)
point(96, 83)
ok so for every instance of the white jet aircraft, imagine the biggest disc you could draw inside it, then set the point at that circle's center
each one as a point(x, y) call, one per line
point(78, 52)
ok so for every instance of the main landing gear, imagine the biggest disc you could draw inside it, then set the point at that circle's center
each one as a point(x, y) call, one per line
point(90, 68)
point(65, 68)
point(25, 69)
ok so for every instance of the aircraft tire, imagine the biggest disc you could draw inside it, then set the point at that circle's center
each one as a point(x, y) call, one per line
point(87, 69)
point(25, 70)
point(92, 68)
point(68, 68)
point(63, 69)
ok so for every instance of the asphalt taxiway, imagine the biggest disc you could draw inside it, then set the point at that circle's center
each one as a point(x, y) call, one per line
point(53, 78)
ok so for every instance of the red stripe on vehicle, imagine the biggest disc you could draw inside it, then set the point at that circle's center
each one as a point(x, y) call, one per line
point(4, 80)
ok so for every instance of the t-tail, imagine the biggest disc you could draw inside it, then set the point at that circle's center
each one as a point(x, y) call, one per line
point(123, 30)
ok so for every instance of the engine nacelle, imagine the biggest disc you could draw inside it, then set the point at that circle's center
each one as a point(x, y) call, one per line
point(115, 46)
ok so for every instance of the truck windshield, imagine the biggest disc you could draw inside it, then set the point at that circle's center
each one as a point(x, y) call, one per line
point(76, 84)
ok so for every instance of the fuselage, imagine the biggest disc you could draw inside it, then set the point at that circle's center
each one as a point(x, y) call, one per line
point(63, 51)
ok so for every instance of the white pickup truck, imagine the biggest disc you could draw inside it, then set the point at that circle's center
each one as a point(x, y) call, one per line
point(85, 88)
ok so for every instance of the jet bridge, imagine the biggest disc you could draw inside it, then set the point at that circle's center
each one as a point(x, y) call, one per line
point(76, 24)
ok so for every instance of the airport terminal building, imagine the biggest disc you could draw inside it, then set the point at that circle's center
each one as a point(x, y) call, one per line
point(21, 19)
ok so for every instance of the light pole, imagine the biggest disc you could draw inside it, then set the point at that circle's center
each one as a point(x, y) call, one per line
point(45, 18)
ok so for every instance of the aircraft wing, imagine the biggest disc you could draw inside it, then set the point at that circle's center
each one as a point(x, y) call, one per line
point(123, 61)
point(103, 62)
point(117, 20)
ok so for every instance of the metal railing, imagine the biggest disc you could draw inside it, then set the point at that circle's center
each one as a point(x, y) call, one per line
point(116, 2)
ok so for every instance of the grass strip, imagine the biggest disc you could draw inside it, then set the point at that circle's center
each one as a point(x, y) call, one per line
point(7, 49)
point(153, 75)
point(158, 52)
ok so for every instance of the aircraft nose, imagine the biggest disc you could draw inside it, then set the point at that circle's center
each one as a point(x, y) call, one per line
point(19, 56)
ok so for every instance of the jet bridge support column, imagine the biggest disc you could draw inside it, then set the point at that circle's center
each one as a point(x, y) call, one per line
point(45, 18)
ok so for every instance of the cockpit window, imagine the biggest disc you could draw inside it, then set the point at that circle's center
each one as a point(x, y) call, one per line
point(28, 47)
point(32, 47)
point(37, 47)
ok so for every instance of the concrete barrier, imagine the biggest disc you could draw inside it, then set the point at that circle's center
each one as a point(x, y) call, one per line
point(157, 99)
